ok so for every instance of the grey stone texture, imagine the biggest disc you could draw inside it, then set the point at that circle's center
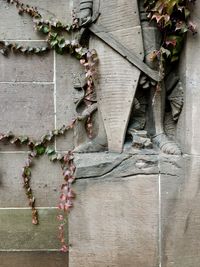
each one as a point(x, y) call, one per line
point(31, 68)
point(17, 232)
point(139, 208)
point(33, 259)
point(27, 109)
point(15, 27)
point(180, 214)
point(66, 67)
point(45, 182)
point(115, 222)
point(114, 102)
point(190, 75)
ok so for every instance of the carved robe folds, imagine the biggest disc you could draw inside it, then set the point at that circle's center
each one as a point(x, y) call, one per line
point(118, 79)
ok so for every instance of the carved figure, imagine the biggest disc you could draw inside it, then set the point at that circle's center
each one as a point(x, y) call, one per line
point(118, 37)
point(158, 98)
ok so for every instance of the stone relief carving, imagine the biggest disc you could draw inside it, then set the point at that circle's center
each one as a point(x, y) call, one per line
point(121, 111)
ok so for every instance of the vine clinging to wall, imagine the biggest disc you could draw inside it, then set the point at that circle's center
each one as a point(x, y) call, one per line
point(54, 30)
point(173, 20)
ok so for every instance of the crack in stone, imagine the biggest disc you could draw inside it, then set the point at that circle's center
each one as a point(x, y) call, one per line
point(107, 172)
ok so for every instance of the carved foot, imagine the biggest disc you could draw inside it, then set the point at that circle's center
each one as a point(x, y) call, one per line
point(166, 145)
point(140, 139)
point(94, 145)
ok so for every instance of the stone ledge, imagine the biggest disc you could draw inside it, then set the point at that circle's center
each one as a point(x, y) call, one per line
point(140, 162)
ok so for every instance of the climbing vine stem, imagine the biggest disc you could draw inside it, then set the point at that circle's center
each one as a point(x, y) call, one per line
point(173, 21)
point(55, 31)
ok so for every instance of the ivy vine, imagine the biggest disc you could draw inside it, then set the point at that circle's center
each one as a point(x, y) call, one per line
point(173, 20)
point(54, 30)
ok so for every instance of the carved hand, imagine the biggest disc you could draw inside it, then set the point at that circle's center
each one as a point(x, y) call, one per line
point(86, 12)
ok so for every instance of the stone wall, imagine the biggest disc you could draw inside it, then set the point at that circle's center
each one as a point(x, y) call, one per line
point(35, 97)
point(135, 209)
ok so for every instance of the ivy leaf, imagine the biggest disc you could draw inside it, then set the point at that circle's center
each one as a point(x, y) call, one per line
point(53, 157)
point(171, 5)
point(37, 50)
point(26, 172)
point(23, 49)
point(30, 49)
point(60, 217)
point(182, 26)
point(53, 43)
point(14, 140)
point(59, 50)
point(23, 139)
point(45, 29)
point(43, 49)
point(53, 35)
point(40, 149)
point(3, 51)
point(18, 47)
point(192, 27)
point(187, 12)
point(49, 151)
point(174, 58)
point(165, 52)
point(59, 156)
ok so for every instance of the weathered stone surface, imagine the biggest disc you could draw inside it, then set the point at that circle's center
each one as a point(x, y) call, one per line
point(66, 67)
point(21, 27)
point(116, 165)
point(190, 75)
point(180, 215)
point(97, 164)
point(115, 222)
point(33, 259)
point(46, 181)
point(191, 140)
point(26, 109)
point(30, 68)
point(136, 165)
point(123, 14)
point(114, 103)
point(18, 233)
point(171, 165)
point(7, 147)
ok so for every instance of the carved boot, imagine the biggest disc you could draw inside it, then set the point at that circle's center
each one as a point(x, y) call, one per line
point(157, 100)
point(160, 139)
point(166, 145)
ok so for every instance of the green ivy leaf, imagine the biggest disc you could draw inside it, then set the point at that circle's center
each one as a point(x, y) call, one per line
point(23, 139)
point(53, 43)
point(27, 172)
point(45, 29)
point(59, 50)
point(40, 149)
point(53, 35)
point(165, 51)
point(49, 151)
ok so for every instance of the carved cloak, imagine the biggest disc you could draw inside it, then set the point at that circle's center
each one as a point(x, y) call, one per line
point(117, 79)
